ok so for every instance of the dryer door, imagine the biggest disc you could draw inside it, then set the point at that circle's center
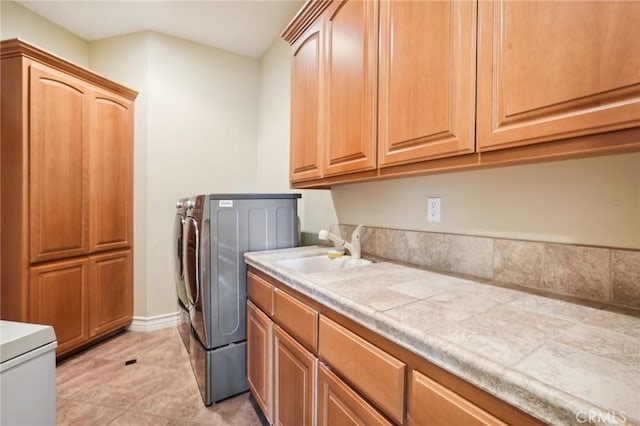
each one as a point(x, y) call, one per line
point(178, 247)
point(191, 260)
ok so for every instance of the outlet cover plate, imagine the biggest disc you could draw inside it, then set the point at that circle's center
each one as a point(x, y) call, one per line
point(433, 209)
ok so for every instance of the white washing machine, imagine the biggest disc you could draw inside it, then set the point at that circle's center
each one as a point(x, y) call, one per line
point(27, 374)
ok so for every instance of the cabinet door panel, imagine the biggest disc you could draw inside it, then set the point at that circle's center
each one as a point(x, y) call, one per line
point(111, 291)
point(306, 83)
point(59, 297)
point(297, 318)
point(340, 405)
point(432, 404)
point(375, 373)
point(427, 80)
point(111, 165)
point(59, 198)
point(555, 70)
point(294, 381)
point(351, 86)
point(260, 292)
point(259, 344)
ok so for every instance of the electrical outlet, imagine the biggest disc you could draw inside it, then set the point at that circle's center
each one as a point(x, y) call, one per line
point(433, 209)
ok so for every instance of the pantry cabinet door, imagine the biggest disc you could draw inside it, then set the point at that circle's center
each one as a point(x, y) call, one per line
point(351, 35)
point(111, 291)
point(306, 97)
point(58, 297)
point(427, 80)
point(58, 166)
point(111, 172)
point(550, 70)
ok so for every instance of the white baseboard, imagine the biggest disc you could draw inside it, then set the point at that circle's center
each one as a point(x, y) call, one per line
point(157, 322)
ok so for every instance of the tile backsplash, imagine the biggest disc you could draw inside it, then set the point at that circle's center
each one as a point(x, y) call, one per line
point(597, 274)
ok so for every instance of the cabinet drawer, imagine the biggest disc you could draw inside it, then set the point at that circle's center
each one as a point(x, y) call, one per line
point(260, 293)
point(431, 403)
point(339, 404)
point(297, 318)
point(374, 372)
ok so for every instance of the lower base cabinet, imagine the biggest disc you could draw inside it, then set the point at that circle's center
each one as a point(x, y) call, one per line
point(82, 298)
point(110, 292)
point(432, 404)
point(58, 296)
point(338, 404)
point(294, 375)
point(348, 380)
point(259, 358)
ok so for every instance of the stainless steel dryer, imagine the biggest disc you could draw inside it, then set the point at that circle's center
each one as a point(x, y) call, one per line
point(219, 229)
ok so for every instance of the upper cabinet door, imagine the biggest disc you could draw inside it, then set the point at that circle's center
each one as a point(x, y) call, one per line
point(59, 197)
point(111, 171)
point(427, 80)
point(306, 74)
point(552, 70)
point(350, 79)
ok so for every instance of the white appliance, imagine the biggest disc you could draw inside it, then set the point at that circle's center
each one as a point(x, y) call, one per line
point(27, 374)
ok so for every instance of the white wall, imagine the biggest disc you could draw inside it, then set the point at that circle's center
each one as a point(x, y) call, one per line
point(19, 22)
point(315, 209)
point(202, 136)
point(593, 201)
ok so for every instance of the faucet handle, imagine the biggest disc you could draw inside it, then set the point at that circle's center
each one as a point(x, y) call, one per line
point(356, 234)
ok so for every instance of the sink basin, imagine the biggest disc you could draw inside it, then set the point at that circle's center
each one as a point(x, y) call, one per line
point(313, 264)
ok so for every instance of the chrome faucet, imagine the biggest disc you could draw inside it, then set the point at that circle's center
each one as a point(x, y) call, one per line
point(353, 247)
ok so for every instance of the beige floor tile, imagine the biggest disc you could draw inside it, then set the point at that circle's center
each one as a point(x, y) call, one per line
point(96, 387)
point(78, 413)
point(130, 418)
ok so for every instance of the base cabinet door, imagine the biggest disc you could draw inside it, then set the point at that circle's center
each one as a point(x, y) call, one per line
point(111, 291)
point(59, 297)
point(432, 404)
point(259, 357)
point(338, 404)
point(294, 371)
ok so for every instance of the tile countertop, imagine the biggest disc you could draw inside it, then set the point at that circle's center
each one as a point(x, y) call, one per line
point(562, 362)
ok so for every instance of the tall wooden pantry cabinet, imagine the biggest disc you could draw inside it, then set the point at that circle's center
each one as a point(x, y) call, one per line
point(67, 196)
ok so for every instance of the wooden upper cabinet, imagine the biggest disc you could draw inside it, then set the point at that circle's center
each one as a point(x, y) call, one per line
point(553, 70)
point(306, 73)
point(426, 80)
point(59, 201)
point(351, 35)
point(111, 176)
